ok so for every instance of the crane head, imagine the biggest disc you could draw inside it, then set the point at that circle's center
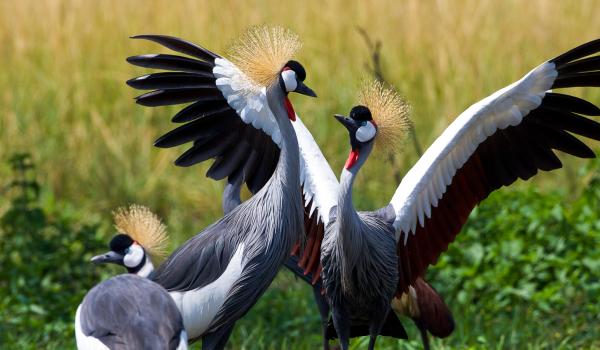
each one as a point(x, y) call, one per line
point(291, 79)
point(362, 130)
point(124, 251)
point(293, 75)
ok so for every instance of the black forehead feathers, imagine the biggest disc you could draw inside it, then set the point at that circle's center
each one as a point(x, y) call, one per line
point(297, 67)
point(361, 113)
point(120, 242)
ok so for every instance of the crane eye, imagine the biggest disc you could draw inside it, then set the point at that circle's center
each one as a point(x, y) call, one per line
point(366, 132)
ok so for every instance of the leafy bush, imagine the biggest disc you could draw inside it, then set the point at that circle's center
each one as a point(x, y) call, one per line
point(529, 256)
point(44, 271)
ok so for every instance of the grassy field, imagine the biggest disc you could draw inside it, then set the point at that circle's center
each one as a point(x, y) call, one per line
point(63, 99)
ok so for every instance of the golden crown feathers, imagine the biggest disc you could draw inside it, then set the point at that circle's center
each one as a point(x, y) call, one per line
point(389, 111)
point(262, 51)
point(144, 227)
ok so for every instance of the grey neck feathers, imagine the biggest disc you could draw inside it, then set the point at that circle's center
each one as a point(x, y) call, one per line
point(349, 223)
point(279, 203)
point(349, 238)
point(346, 213)
point(287, 173)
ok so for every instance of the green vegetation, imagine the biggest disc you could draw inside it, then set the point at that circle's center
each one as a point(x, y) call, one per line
point(522, 274)
point(43, 254)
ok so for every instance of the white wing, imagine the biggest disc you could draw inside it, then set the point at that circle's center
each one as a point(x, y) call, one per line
point(248, 99)
point(509, 135)
point(427, 180)
point(320, 185)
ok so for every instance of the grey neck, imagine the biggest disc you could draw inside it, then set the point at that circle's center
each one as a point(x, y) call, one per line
point(346, 212)
point(287, 173)
point(349, 237)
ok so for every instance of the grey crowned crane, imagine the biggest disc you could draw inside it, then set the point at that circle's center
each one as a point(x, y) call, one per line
point(421, 303)
point(239, 114)
point(368, 257)
point(129, 311)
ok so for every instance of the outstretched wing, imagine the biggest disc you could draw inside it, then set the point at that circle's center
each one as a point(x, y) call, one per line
point(227, 118)
point(508, 135)
point(320, 192)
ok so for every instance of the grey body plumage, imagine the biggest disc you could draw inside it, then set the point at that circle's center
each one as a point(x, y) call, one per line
point(358, 250)
point(216, 276)
point(268, 224)
point(131, 312)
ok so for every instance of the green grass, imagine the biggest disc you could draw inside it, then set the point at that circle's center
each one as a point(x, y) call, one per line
point(63, 99)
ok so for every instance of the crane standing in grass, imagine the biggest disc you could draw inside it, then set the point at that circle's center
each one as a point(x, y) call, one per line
point(421, 302)
point(240, 115)
point(129, 311)
point(368, 257)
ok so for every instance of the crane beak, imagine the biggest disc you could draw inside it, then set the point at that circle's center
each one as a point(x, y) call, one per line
point(110, 257)
point(304, 90)
point(347, 122)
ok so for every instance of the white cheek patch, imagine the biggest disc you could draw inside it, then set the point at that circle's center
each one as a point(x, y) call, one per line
point(289, 79)
point(134, 257)
point(366, 132)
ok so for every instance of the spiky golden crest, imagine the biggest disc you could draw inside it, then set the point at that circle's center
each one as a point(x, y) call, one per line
point(389, 111)
point(262, 52)
point(144, 227)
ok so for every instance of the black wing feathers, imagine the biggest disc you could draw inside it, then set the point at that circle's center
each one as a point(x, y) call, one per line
point(580, 51)
point(577, 80)
point(176, 96)
point(211, 123)
point(574, 70)
point(571, 103)
point(171, 62)
point(200, 109)
point(201, 128)
point(584, 65)
point(171, 80)
point(202, 151)
point(229, 162)
point(181, 46)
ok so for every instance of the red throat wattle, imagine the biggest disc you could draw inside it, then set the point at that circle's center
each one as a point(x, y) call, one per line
point(352, 158)
point(290, 109)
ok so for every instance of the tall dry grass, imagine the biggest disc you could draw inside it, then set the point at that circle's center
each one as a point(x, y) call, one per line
point(63, 97)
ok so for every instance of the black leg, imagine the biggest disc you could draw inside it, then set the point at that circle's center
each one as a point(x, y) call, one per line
point(424, 336)
point(341, 321)
point(377, 321)
point(324, 311)
point(216, 340)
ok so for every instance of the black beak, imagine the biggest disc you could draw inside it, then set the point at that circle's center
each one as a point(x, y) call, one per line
point(347, 122)
point(304, 90)
point(110, 257)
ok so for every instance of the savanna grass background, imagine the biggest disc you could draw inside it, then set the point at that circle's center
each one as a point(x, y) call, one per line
point(524, 274)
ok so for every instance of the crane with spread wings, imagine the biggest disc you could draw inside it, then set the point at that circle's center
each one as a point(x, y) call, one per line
point(367, 258)
point(240, 114)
